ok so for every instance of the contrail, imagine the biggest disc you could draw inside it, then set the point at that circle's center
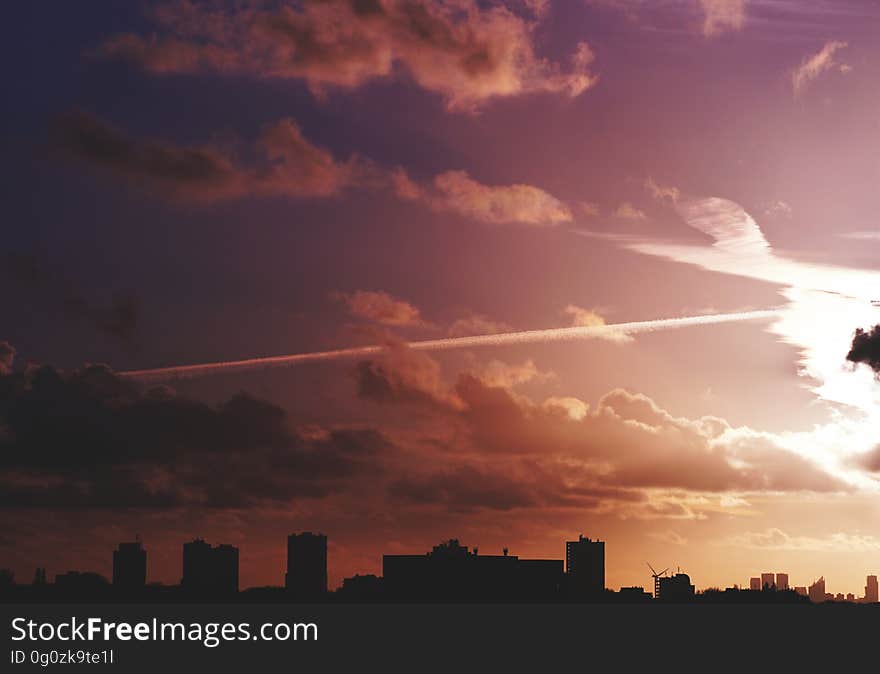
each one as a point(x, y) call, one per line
point(524, 337)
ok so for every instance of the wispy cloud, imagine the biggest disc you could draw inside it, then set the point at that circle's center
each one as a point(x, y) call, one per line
point(815, 65)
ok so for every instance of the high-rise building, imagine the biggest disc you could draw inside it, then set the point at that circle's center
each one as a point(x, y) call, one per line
point(306, 564)
point(871, 590)
point(768, 581)
point(208, 569)
point(585, 566)
point(677, 588)
point(755, 583)
point(816, 593)
point(781, 581)
point(130, 566)
point(801, 590)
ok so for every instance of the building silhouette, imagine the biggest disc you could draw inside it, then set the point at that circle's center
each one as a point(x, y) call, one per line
point(452, 572)
point(306, 564)
point(130, 566)
point(816, 593)
point(677, 588)
point(209, 569)
point(871, 590)
point(755, 583)
point(781, 582)
point(768, 581)
point(585, 567)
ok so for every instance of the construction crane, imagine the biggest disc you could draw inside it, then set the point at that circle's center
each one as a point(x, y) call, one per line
point(657, 576)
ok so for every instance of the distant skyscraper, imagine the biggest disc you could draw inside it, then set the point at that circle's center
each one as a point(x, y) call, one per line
point(585, 566)
point(755, 583)
point(209, 569)
point(871, 590)
point(801, 590)
point(129, 566)
point(768, 581)
point(306, 564)
point(781, 581)
point(816, 592)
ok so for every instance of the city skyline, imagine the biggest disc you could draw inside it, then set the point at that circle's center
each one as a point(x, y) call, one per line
point(212, 571)
point(403, 270)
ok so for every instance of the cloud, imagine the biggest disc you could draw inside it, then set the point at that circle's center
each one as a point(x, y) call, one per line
point(477, 324)
point(861, 236)
point(866, 348)
point(720, 16)
point(778, 208)
point(467, 52)
point(776, 539)
point(662, 192)
point(281, 162)
point(380, 307)
point(581, 317)
point(7, 357)
point(629, 212)
point(629, 441)
point(457, 192)
point(668, 536)
point(815, 65)
point(402, 375)
point(589, 208)
point(54, 292)
point(89, 439)
point(507, 375)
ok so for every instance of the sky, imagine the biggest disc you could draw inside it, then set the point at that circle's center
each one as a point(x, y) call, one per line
point(189, 183)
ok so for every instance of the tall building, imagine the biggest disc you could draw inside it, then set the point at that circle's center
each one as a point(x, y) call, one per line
point(585, 566)
point(210, 570)
point(816, 593)
point(677, 588)
point(306, 564)
point(781, 581)
point(130, 566)
point(755, 583)
point(768, 581)
point(871, 590)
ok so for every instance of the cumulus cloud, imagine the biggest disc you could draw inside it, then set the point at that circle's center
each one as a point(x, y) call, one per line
point(382, 308)
point(507, 375)
point(89, 439)
point(629, 212)
point(402, 375)
point(457, 192)
point(281, 162)
point(463, 50)
point(662, 192)
point(816, 65)
point(720, 16)
point(589, 208)
point(866, 348)
point(778, 208)
point(581, 317)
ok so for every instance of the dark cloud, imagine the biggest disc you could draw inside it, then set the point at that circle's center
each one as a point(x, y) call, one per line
point(118, 319)
point(92, 439)
point(7, 357)
point(866, 348)
point(281, 162)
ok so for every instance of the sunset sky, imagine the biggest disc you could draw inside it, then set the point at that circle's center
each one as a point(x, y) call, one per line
point(191, 183)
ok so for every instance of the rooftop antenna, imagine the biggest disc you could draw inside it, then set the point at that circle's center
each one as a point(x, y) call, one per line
point(657, 576)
